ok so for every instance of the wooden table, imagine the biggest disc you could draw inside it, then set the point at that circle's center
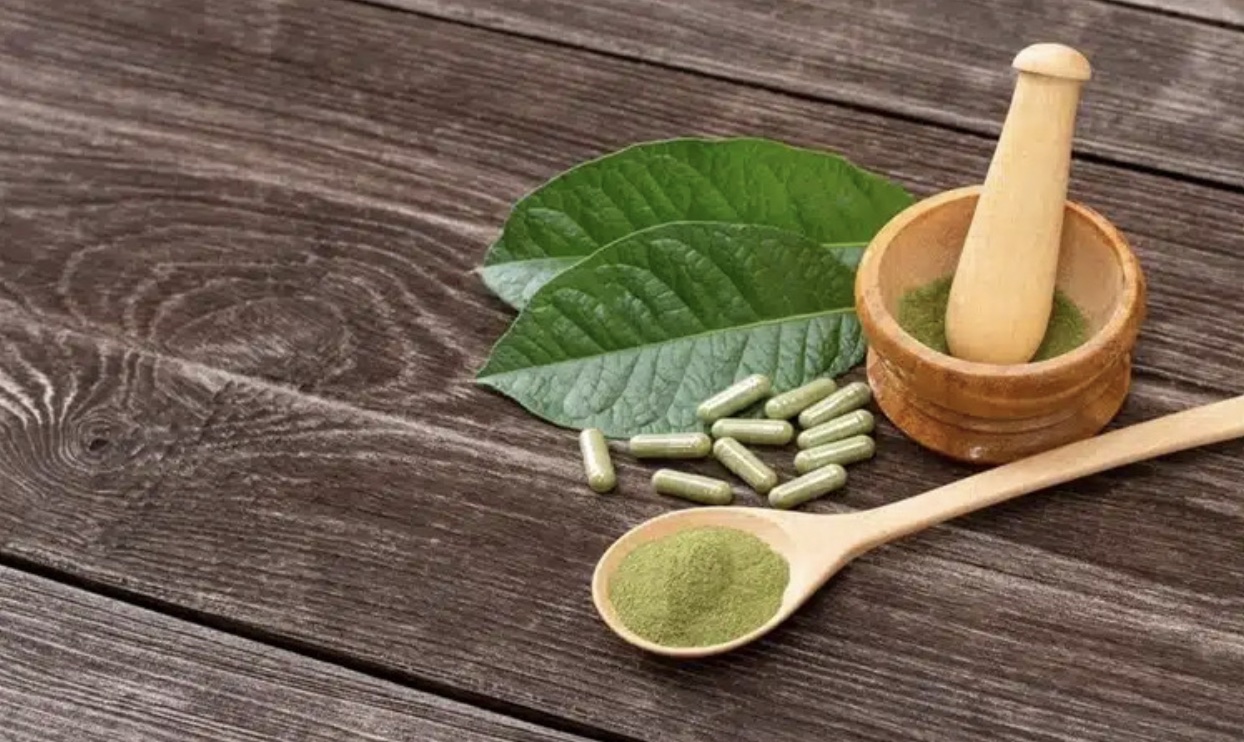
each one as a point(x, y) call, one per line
point(249, 491)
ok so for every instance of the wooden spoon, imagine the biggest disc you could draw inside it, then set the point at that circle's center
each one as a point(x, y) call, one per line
point(1003, 289)
point(817, 546)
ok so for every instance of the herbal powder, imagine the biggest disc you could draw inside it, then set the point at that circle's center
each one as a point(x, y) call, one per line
point(699, 587)
point(922, 314)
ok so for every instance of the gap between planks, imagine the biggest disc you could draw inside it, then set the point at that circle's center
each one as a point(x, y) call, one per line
point(384, 420)
point(241, 380)
point(1154, 154)
point(314, 690)
point(1227, 14)
point(373, 670)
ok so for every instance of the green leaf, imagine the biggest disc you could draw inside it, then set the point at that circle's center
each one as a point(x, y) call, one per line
point(516, 282)
point(522, 279)
point(634, 337)
point(744, 181)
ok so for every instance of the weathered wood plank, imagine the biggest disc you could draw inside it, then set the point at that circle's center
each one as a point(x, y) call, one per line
point(1065, 617)
point(180, 237)
point(1166, 91)
point(434, 144)
point(1230, 12)
point(75, 666)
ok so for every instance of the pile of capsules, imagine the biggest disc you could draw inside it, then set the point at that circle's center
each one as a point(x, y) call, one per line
point(835, 433)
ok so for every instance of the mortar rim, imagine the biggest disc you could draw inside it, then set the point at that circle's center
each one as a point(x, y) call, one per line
point(1118, 335)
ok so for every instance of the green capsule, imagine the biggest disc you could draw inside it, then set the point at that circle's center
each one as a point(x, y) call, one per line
point(788, 404)
point(850, 397)
point(849, 451)
point(859, 422)
point(596, 462)
point(757, 432)
point(744, 463)
point(670, 445)
point(738, 396)
point(814, 484)
point(693, 487)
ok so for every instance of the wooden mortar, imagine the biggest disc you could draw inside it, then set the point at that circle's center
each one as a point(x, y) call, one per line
point(987, 413)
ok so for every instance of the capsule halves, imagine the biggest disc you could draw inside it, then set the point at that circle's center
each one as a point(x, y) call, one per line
point(754, 431)
point(788, 404)
point(692, 487)
point(810, 486)
point(745, 464)
point(836, 433)
point(597, 464)
point(849, 398)
point(860, 422)
point(738, 396)
point(844, 452)
point(670, 445)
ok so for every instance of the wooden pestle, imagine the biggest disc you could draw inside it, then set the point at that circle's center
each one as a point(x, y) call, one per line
point(1003, 288)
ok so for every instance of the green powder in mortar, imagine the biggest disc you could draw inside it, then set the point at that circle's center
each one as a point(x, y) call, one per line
point(699, 587)
point(922, 314)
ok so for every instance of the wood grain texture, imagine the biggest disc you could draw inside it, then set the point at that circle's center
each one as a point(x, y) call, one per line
point(1230, 12)
point(238, 332)
point(265, 146)
point(75, 666)
point(1166, 92)
point(405, 544)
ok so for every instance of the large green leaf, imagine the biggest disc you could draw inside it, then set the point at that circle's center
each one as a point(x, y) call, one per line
point(744, 181)
point(634, 337)
point(516, 282)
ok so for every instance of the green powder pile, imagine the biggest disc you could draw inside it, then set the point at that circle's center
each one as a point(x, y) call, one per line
point(699, 587)
point(922, 314)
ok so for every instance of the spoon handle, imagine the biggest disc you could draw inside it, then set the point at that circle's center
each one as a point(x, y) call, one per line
point(1199, 426)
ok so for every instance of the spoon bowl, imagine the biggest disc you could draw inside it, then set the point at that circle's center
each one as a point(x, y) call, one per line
point(814, 546)
point(817, 546)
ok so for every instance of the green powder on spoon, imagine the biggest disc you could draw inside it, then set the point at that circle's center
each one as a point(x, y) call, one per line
point(699, 587)
point(922, 314)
